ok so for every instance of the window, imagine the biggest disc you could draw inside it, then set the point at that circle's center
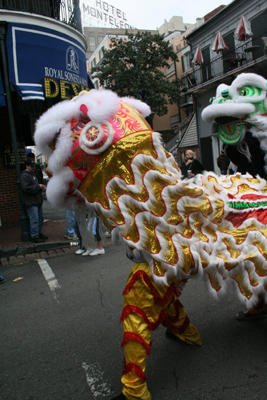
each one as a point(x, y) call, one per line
point(227, 55)
point(99, 39)
point(206, 68)
point(258, 27)
point(93, 63)
point(91, 43)
point(186, 62)
point(170, 70)
point(101, 53)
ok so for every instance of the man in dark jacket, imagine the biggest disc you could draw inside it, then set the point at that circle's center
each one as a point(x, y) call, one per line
point(33, 200)
point(38, 170)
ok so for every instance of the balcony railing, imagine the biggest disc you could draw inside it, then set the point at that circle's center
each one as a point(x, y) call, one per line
point(241, 55)
point(66, 11)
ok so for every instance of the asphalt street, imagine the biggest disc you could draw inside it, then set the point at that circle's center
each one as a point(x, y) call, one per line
point(60, 337)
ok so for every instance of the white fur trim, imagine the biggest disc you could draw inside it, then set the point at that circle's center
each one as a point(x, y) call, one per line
point(227, 109)
point(101, 104)
point(58, 187)
point(140, 106)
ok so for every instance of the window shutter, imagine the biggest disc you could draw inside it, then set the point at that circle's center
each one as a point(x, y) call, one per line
point(183, 66)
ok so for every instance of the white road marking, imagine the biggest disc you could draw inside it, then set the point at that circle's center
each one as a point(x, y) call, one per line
point(94, 377)
point(50, 277)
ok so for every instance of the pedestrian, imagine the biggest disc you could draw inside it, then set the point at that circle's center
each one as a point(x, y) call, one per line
point(69, 232)
point(38, 170)
point(191, 166)
point(82, 248)
point(223, 162)
point(32, 197)
point(99, 249)
point(38, 173)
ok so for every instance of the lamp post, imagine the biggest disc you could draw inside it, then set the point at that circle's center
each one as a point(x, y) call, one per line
point(24, 219)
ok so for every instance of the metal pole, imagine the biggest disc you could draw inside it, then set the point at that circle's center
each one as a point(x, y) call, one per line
point(24, 219)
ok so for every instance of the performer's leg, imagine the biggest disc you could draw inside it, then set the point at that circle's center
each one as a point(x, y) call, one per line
point(145, 307)
point(178, 323)
point(138, 311)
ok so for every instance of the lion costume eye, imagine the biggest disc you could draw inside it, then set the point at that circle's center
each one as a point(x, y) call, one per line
point(96, 138)
point(250, 91)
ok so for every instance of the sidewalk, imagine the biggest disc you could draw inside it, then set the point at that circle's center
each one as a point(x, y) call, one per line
point(14, 251)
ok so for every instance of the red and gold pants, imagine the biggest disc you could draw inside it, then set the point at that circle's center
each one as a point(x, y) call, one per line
point(146, 306)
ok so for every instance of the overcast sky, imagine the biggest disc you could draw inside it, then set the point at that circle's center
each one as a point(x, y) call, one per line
point(150, 14)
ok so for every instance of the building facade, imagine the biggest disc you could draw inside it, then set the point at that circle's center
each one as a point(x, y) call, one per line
point(96, 37)
point(180, 118)
point(43, 61)
point(176, 23)
point(241, 56)
point(97, 55)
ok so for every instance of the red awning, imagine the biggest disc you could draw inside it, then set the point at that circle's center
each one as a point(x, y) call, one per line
point(243, 31)
point(219, 44)
point(198, 57)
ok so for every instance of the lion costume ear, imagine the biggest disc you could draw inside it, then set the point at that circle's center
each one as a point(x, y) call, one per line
point(84, 109)
point(99, 105)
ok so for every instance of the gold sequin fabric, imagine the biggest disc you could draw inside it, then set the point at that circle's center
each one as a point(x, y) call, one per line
point(179, 226)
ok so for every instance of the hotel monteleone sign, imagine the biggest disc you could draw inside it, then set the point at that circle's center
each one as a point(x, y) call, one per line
point(104, 14)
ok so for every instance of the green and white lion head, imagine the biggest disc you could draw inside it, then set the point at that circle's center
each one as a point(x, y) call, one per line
point(243, 101)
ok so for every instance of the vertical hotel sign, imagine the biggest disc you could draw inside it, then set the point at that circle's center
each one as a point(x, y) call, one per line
point(103, 14)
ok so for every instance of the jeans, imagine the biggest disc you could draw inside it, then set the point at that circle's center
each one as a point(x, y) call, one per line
point(224, 171)
point(94, 225)
point(70, 219)
point(36, 220)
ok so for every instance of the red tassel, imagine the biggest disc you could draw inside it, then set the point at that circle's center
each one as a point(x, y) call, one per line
point(132, 367)
point(134, 337)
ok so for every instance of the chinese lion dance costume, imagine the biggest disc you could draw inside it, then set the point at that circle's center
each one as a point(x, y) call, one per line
point(104, 157)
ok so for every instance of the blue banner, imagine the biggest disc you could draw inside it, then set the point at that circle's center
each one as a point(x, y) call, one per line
point(2, 96)
point(35, 53)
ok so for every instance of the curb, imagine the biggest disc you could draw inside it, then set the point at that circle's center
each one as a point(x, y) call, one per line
point(32, 248)
point(21, 259)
